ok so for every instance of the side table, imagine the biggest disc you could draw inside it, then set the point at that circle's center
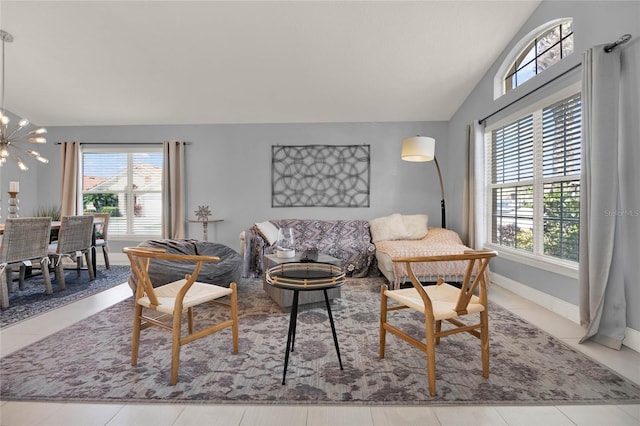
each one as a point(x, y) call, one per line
point(283, 298)
point(307, 276)
point(205, 226)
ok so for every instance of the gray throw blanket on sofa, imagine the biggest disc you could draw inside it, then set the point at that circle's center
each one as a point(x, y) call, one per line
point(347, 240)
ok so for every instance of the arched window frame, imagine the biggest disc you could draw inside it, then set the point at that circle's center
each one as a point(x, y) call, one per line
point(520, 49)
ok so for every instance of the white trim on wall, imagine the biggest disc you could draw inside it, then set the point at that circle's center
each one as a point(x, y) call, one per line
point(558, 306)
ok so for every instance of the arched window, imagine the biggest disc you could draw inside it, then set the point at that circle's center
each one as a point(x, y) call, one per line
point(541, 48)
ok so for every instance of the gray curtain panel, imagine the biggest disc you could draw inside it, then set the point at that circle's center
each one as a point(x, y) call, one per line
point(473, 200)
point(173, 217)
point(71, 187)
point(610, 200)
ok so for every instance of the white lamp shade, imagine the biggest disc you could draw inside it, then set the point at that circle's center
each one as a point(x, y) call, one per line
point(418, 148)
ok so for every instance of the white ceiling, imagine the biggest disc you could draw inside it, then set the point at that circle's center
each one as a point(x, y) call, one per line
point(190, 62)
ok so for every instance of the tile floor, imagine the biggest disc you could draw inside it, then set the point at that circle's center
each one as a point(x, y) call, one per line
point(626, 362)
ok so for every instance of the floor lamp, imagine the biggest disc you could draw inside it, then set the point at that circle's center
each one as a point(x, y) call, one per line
point(422, 149)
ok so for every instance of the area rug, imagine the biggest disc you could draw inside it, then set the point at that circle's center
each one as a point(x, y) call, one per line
point(90, 361)
point(33, 300)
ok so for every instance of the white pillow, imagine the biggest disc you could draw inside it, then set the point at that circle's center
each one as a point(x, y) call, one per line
point(268, 231)
point(388, 228)
point(416, 225)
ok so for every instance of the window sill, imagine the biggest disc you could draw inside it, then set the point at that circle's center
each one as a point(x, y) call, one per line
point(561, 267)
point(138, 237)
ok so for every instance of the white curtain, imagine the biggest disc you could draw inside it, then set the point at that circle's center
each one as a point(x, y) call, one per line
point(610, 199)
point(71, 194)
point(173, 218)
point(473, 193)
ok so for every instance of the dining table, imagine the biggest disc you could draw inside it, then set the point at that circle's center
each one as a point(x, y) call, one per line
point(55, 224)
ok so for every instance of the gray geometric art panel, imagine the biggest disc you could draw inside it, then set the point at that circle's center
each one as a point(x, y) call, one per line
point(320, 176)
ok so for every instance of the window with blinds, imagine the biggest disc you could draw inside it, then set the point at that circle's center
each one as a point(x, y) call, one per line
point(534, 181)
point(127, 184)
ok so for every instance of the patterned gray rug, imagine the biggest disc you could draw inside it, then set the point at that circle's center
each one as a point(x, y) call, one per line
point(90, 362)
point(33, 300)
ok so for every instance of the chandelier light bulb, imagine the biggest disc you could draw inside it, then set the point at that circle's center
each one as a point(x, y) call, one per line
point(37, 156)
point(20, 163)
point(24, 122)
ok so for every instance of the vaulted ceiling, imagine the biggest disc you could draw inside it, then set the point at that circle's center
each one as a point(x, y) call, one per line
point(190, 62)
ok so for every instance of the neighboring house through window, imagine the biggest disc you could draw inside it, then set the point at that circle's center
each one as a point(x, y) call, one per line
point(127, 183)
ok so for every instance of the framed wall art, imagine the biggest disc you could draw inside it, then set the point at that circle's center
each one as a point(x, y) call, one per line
point(320, 176)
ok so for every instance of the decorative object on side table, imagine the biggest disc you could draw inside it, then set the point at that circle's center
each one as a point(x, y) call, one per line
point(14, 188)
point(285, 246)
point(202, 216)
point(203, 213)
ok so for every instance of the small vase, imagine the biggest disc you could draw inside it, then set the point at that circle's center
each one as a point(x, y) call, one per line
point(285, 246)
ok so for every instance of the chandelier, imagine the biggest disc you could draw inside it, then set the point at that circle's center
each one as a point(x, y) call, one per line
point(11, 141)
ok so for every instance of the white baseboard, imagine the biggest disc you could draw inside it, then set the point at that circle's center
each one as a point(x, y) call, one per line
point(632, 339)
point(559, 306)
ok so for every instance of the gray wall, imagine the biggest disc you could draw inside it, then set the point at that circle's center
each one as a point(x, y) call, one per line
point(595, 22)
point(229, 169)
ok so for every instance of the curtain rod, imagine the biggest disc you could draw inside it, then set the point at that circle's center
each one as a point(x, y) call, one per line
point(622, 40)
point(529, 93)
point(607, 48)
point(122, 143)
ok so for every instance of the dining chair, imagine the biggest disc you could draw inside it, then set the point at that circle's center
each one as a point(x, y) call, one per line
point(24, 239)
point(169, 302)
point(442, 302)
point(101, 228)
point(74, 241)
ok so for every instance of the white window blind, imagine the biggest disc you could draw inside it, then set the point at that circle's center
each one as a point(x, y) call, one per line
point(534, 181)
point(561, 155)
point(127, 184)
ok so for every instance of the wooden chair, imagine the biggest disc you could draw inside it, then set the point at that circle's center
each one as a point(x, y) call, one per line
point(101, 228)
point(74, 240)
point(174, 299)
point(442, 302)
point(24, 239)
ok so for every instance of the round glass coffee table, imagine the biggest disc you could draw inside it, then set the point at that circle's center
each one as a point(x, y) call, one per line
point(305, 276)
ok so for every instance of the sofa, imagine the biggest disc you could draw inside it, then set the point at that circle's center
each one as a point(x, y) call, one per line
point(366, 247)
point(347, 240)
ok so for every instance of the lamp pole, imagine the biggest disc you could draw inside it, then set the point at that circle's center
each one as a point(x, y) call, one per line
point(422, 149)
point(442, 206)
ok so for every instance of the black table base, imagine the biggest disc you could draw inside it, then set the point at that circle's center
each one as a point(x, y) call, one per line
point(291, 335)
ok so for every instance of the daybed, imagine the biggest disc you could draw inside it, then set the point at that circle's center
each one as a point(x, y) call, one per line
point(409, 236)
point(221, 273)
point(347, 240)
